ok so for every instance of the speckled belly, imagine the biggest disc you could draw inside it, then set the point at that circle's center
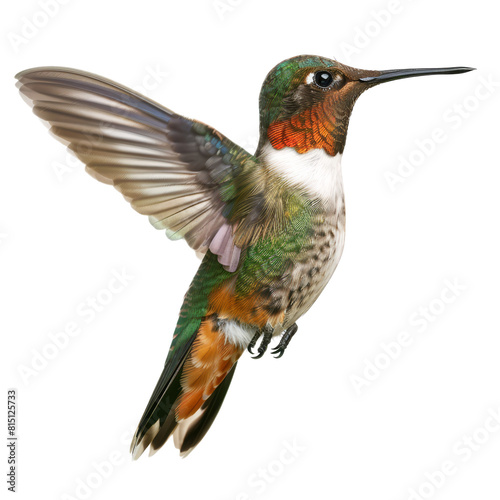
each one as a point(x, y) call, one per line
point(313, 270)
point(306, 277)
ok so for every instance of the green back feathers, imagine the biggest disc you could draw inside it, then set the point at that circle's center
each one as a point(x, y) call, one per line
point(269, 257)
point(210, 274)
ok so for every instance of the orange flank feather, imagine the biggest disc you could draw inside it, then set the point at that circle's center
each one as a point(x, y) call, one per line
point(212, 355)
point(210, 360)
point(245, 309)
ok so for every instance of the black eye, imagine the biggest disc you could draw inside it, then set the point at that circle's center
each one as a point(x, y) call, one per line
point(323, 79)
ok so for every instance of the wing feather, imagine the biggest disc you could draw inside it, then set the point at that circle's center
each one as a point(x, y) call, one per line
point(179, 172)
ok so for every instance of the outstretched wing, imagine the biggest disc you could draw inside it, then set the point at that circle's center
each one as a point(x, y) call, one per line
point(179, 172)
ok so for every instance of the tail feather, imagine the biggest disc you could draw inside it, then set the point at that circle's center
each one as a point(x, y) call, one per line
point(191, 431)
point(163, 433)
point(166, 392)
point(189, 393)
point(158, 416)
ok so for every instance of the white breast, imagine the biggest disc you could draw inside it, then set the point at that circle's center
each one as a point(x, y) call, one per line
point(316, 172)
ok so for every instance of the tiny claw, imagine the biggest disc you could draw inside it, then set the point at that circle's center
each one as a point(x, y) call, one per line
point(268, 335)
point(252, 343)
point(285, 340)
point(280, 352)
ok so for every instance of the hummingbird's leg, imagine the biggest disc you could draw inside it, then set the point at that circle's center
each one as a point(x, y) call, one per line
point(268, 335)
point(285, 340)
point(252, 343)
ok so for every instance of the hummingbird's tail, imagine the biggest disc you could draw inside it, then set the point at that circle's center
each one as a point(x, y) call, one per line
point(189, 393)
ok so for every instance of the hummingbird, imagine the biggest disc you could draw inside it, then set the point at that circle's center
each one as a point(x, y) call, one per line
point(270, 225)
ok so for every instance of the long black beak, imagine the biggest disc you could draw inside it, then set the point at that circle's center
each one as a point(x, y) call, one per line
point(397, 74)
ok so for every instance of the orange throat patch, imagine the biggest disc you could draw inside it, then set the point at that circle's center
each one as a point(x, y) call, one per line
point(311, 129)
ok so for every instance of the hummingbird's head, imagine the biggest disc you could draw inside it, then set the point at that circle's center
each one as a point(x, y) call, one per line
point(306, 101)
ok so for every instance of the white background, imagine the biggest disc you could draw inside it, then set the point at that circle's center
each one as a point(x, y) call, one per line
point(63, 234)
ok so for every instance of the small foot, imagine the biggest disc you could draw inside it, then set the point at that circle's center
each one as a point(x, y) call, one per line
point(252, 343)
point(266, 340)
point(285, 340)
